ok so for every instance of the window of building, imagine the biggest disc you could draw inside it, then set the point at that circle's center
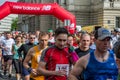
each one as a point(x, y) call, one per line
point(33, 1)
point(117, 0)
point(22, 0)
point(26, 0)
point(118, 22)
point(109, 21)
point(58, 1)
point(61, 1)
point(39, 1)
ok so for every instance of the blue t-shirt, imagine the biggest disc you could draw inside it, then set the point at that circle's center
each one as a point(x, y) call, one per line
point(96, 70)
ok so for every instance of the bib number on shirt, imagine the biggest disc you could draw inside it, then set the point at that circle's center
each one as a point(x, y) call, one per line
point(62, 67)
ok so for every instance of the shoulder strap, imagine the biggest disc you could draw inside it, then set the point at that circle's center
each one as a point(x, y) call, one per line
point(112, 54)
point(35, 48)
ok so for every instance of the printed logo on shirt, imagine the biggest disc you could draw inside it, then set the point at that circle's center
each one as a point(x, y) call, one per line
point(112, 64)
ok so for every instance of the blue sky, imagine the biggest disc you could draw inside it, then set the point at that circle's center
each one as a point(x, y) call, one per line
point(2, 1)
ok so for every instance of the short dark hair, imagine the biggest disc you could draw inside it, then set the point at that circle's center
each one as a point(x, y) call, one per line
point(8, 32)
point(96, 34)
point(18, 36)
point(60, 30)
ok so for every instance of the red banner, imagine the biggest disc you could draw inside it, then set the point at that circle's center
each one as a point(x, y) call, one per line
point(38, 9)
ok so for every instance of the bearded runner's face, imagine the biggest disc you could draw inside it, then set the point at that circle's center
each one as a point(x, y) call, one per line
point(61, 40)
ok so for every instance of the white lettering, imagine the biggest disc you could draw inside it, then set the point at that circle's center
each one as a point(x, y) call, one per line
point(72, 26)
point(30, 8)
point(26, 7)
point(17, 7)
point(46, 8)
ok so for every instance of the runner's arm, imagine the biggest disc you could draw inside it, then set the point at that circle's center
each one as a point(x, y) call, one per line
point(28, 58)
point(42, 71)
point(13, 52)
point(77, 69)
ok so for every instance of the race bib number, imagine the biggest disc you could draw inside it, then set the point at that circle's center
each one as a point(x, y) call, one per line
point(62, 67)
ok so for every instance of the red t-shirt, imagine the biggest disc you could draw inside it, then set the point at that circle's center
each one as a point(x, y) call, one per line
point(56, 59)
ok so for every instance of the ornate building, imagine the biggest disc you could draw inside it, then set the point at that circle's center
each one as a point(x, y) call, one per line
point(87, 12)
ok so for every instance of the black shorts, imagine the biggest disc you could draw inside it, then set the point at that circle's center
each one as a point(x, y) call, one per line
point(18, 65)
point(7, 57)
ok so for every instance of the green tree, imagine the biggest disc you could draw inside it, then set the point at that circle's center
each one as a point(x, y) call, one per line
point(14, 25)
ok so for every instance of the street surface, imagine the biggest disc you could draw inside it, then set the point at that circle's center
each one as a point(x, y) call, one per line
point(5, 77)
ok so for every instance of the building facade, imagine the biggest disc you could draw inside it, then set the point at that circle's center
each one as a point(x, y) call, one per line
point(87, 12)
point(5, 24)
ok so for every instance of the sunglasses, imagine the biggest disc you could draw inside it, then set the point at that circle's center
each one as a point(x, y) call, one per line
point(32, 37)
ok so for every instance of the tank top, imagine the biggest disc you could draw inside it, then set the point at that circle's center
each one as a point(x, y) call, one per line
point(96, 70)
point(35, 62)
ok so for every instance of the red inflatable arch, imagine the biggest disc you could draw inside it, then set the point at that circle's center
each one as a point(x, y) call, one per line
point(38, 9)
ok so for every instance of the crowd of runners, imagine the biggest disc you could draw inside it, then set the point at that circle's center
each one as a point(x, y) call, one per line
point(58, 55)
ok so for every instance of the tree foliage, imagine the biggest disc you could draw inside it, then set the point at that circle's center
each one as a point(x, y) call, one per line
point(14, 25)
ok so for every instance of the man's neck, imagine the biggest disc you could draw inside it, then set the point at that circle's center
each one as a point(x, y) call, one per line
point(18, 43)
point(41, 46)
point(84, 48)
point(101, 54)
point(7, 38)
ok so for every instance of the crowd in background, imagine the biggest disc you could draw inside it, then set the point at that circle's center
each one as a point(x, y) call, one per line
point(51, 55)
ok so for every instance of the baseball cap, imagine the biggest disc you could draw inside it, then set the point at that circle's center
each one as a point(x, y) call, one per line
point(50, 30)
point(117, 30)
point(102, 33)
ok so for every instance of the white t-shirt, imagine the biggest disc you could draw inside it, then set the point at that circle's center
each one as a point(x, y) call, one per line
point(8, 43)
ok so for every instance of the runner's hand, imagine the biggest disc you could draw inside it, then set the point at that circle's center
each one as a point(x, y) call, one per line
point(34, 72)
point(61, 73)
